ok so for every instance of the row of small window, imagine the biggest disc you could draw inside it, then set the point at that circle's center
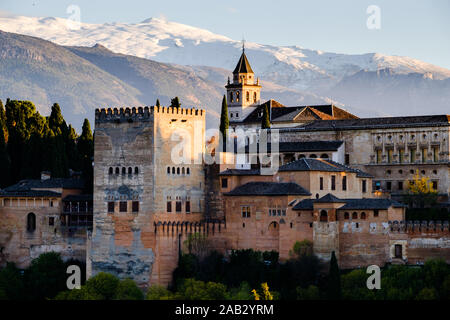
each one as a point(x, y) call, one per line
point(362, 215)
point(389, 185)
point(178, 170)
point(412, 155)
point(179, 206)
point(123, 206)
point(412, 137)
point(236, 115)
point(344, 184)
point(247, 96)
point(277, 212)
point(388, 172)
point(124, 170)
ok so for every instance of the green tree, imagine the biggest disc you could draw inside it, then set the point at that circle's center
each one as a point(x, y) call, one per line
point(334, 280)
point(11, 283)
point(157, 103)
point(46, 276)
point(265, 121)
point(86, 151)
point(427, 294)
point(244, 292)
point(5, 163)
point(128, 290)
point(175, 102)
point(310, 293)
point(224, 121)
point(192, 289)
point(104, 285)
point(157, 292)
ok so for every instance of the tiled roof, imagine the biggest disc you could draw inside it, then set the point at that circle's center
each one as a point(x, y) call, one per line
point(30, 194)
point(281, 113)
point(309, 164)
point(268, 189)
point(377, 203)
point(306, 204)
point(243, 66)
point(240, 172)
point(350, 204)
point(304, 146)
point(29, 184)
point(329, 198)
point(373, 123)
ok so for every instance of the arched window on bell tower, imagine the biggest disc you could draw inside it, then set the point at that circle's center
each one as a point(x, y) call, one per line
point(254, 97)
point(231, 96)
point(248, 96)
point(237, 96)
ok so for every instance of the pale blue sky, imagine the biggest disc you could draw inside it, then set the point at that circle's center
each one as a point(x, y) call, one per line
point(419, 29)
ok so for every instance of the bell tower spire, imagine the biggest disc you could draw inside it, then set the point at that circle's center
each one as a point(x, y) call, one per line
point(243, 94)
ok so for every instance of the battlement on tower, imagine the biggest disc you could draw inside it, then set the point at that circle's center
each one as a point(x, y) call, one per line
point(411, 227)
point(142, 113)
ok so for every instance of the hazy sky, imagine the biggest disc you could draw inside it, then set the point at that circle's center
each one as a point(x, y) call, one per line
point(419, 29)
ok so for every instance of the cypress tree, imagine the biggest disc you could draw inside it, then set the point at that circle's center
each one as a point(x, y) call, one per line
point(4, 157)
point(157, 103)
point(224, 122)
point(85, 148)
point(175, 102)
point(334, 280)
point(265, 121)
point(73, 158)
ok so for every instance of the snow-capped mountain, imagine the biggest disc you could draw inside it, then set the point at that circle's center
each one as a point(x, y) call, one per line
point(369, 84)
point(171, 42)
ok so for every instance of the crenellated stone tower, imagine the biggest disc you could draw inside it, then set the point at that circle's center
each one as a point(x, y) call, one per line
point(244, 93)
point(137, 183)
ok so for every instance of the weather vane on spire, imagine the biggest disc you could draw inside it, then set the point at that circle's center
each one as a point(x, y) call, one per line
point(243, 44)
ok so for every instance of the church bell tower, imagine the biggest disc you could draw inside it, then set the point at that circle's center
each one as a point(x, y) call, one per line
point(243, 94)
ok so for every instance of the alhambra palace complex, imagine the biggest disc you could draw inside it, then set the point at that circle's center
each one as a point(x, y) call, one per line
point(339, 185)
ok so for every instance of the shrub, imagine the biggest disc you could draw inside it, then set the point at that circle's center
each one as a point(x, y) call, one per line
point(128, 290)
point(46, 276)
point(157, 292)
point(104, 285)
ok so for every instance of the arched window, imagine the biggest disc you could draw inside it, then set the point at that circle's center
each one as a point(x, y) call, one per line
point(248, 96)
point(124, 170)
point(313, 156)
point(168, 170)
point(173, 170)
point(136, 170)
point(237, 96)
point(324, 156)
point(363, 215)
point(346, 216)
point(130, 170)
point(323, 216)
point(231, 96)
point(301, 156)
point(111, 170)
point(31, 222)
point(178, 170)
point(117, 170)
point(182, 170)
point(317, 196)
point(254, 97)
point(188, 171)
point(354, 215)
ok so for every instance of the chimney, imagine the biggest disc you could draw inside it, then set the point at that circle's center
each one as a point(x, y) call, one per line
point(45, 175)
